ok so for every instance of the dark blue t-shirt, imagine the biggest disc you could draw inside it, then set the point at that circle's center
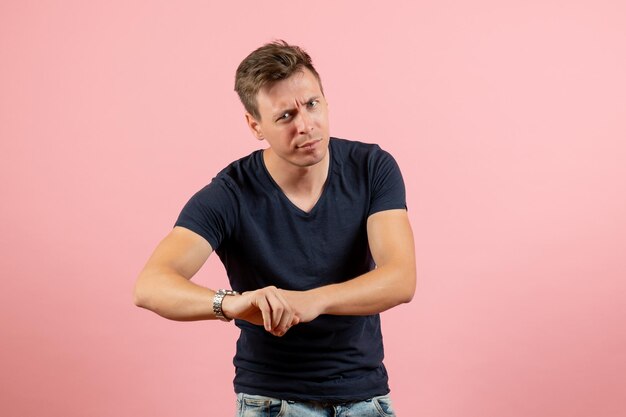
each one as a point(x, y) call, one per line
point(263, 239)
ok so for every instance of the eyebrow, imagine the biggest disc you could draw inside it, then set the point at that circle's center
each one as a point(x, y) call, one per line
point(291, 109)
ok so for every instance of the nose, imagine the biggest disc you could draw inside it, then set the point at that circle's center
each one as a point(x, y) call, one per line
point(304, 123)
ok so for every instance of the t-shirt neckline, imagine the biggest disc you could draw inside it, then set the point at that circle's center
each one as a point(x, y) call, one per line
point(282, 194)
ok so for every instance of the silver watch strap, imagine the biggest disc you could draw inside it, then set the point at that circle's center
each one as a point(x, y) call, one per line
point(217, 303)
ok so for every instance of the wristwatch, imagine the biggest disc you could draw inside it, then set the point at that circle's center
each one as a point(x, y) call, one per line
point(217, 303)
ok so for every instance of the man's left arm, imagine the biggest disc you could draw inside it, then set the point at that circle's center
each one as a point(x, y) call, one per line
point(392, 282)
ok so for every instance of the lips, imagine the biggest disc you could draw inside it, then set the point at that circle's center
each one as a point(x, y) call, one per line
point(308, 144)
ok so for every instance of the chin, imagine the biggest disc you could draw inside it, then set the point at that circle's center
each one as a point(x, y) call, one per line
point(314, 158)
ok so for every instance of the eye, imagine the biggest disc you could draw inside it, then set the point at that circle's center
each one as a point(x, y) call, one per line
point(313, 103)
point(284, 116)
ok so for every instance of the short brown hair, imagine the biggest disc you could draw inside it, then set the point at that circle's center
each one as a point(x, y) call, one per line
point(266, 65)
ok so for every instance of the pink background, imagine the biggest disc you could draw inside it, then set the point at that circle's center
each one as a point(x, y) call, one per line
point(508, 120)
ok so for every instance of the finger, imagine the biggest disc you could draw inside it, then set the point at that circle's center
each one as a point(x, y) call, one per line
point(266, 311)
point(278, 306)
point(280, 331)
point(285, 322)
point(289, 318)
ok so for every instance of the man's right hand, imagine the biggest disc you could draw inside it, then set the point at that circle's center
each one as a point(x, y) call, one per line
point(164, 286)
point(266, 307)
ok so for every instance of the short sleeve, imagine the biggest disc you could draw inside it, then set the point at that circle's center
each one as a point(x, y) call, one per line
point(387, 185)
point(211, 212)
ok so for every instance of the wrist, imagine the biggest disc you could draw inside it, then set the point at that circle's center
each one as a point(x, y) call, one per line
point(321, 297)
point(218, 304)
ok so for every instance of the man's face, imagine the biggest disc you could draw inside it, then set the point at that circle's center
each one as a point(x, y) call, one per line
point(293, 120)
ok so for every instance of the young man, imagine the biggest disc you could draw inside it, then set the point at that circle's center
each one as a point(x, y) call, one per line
point(314, 235)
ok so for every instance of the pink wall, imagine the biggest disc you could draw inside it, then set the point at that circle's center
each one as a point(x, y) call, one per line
point(509, 123)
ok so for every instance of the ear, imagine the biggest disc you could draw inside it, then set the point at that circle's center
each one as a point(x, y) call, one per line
point(255, 126)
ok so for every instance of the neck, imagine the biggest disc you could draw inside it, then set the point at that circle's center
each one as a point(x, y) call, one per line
point(295, 179)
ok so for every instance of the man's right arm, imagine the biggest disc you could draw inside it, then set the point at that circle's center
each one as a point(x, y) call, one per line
point(164, 286)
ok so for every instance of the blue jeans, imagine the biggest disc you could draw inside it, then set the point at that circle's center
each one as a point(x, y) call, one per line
point(259, 406)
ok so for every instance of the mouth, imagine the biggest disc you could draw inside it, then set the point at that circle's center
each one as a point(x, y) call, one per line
point(309, 144)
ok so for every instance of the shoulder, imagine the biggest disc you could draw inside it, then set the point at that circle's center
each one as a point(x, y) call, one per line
point(359, 153)
point(242, 170)
point(352, 147)
point(238, 176)
point(228, 184)
point(213, 211)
